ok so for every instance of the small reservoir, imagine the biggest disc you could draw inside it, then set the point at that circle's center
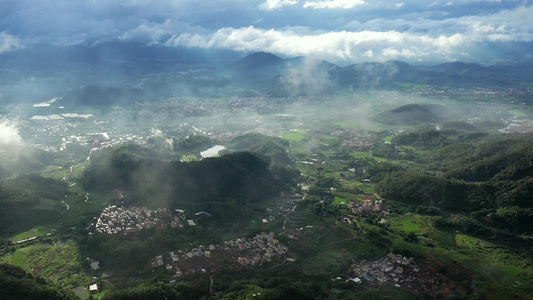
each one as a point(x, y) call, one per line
point(212, 151)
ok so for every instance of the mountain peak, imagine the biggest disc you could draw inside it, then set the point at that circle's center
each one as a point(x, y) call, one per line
point(259, 64)
point(261, 58)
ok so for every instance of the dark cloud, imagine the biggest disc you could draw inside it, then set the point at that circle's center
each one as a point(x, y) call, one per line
point(349, 30)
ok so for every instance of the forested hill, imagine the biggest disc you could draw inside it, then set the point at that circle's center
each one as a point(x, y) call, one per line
point(413, 114)
point(485, 177)
point(15, 283)
point(240, 175)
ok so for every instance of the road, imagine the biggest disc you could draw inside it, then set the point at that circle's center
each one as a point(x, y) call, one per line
point(68, 207)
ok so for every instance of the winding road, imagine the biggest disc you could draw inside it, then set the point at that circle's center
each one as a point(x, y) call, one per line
point(68, 207)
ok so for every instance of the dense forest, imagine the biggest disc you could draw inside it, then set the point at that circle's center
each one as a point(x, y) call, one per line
point(493, 175)
point(164, 184)
point(17, 284)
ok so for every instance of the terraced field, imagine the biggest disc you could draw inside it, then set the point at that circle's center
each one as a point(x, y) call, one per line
point(60, 262)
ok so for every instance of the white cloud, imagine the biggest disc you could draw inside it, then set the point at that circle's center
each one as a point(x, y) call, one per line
point(306, 77)
point(155, 33)
point(9, 134)
point(345, 4)
point(8, 42)
point(275, 4)
point(506, 25)
point(222, 23)
point(334, 46)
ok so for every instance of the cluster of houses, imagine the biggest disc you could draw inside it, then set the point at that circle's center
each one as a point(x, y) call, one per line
point(71, 128)
point(121, 220)
point(355, 139)
point(397, 270)
point(515, 125)
point(369, 206)
point(264, 246)
point(242, 252)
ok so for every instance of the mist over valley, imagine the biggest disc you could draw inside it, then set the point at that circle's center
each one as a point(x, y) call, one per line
point(266, 150)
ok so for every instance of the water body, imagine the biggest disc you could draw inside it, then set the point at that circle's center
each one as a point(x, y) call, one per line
point(212, 151)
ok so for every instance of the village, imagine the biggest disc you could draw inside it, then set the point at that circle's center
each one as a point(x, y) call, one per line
point(353, 138)
point(397, 270)
point(370, 206)
point(121, 220)
point(264, 248)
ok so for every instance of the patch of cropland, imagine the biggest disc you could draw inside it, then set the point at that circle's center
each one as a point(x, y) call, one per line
point(58, 262)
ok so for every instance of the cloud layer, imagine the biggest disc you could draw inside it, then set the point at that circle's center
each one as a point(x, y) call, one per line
point(344, 4)
point(275, 4)
point(342, 45)
point(338, 30)
point(8, 42)
point(9, 134)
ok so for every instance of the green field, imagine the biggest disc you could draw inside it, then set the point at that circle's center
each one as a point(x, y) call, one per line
point(294, 136)
point(338, 200)
point(411, 223)
point(37, 231)
point(60, 263)
point(388, 138)
point(361, 154)
point(17, 259)
point(517, 113)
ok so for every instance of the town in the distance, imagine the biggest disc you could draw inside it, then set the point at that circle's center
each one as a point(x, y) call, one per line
point(237, 181)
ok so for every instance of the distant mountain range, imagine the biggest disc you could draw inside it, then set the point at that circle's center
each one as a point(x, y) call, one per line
point(264, 66)
point(116, 74)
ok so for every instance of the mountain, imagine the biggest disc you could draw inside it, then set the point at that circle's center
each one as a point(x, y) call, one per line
point(115, 57)
point(458, 68)
point(258, 60)
point(258, 66)
point(413, 114)
point(209, 73)
point(215, 179)
point(273, 73)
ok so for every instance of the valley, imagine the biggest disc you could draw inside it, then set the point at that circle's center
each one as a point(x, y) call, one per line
point(413, 193)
